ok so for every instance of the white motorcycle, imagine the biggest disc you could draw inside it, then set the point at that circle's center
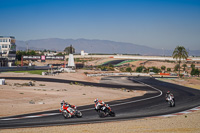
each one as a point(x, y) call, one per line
point(171, 101)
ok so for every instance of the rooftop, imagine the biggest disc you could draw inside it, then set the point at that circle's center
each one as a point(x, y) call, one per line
point(7, 37)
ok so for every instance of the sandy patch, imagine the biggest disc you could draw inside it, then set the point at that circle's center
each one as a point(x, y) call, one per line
point(192, 82)
point(159, 64)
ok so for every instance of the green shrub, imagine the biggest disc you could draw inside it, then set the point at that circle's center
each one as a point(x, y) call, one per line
point(163, 67)
point(169, 69)
point(176, 67)
point(128, 69)
point(195, 72)
point(121, 69)
point(155, 69)
point(140, 69)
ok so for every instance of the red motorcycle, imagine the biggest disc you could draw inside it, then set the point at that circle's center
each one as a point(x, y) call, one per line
point(69, 111)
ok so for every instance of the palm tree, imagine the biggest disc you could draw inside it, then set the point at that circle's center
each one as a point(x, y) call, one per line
point(180, 53)
point(163, 68)
point(184, 66)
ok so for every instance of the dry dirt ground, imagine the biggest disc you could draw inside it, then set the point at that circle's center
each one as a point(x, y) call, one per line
point(177, 124)
point(193, 82)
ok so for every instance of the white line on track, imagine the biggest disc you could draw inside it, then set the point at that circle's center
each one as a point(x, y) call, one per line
point(34, 116)
point(144, 98)
point(134, 100)
point(41, 115)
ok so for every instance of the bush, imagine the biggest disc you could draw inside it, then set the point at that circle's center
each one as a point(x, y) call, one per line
point(184, 66)
point(155, 69)
point(163, 67)
point(192, 66)
point(103, 68)
point(121, 69)
point(110, 65)
point(106, 68)
point(140, 69)
point(169, 69)
point(176, 67)
point(195, 72)
point(128, 69)
point(181, 75)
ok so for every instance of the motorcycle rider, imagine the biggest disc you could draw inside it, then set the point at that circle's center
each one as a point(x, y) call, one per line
point(98, 104)
point(66, 104)
point(168, 95)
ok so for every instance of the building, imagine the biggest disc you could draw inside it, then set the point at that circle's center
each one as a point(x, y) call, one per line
point(7, 50)
point(83, 53)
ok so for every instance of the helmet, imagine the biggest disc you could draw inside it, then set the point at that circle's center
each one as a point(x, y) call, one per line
point(62, 102)
point(96, 100)
point(168, 92)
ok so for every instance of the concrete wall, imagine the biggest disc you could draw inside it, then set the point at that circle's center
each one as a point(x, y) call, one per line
point(133, 57)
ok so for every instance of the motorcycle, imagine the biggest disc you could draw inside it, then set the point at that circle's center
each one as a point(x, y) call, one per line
point(105, 111)
point(69, 112)
point(171, 101)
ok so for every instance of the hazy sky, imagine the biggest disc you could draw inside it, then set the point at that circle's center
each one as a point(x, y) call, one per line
point(155, 23)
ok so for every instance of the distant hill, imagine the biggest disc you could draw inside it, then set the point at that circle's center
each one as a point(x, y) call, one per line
point(94, 46)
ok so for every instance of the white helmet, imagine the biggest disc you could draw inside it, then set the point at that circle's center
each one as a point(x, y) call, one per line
point(63, 101)
point(96, 100)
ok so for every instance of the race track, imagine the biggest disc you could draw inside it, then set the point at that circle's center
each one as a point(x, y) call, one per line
point(151, 104)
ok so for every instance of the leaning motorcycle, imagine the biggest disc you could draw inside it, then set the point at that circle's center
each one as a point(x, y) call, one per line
point(171, 101)
point(105, 111)
point(69, 112)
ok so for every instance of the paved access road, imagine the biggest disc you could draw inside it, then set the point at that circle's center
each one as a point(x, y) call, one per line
point(151, 104)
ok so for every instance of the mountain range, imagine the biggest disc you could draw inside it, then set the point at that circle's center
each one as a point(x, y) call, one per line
point(94, 46)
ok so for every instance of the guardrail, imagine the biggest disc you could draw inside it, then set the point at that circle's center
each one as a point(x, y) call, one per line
point(117, 74)
point(4, 69)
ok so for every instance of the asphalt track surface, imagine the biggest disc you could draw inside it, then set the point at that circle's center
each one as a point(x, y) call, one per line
point(151, 104)
point(114, 62)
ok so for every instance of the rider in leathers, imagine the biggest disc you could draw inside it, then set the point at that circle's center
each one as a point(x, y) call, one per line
point(63, 103)
point(98, 104)
point(169, 94)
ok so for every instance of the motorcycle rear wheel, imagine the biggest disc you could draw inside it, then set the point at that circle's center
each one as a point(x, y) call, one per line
point(66, 115)
point(102, 114)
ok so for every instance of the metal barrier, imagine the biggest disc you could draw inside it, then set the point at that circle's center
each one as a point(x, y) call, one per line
point(117, 74)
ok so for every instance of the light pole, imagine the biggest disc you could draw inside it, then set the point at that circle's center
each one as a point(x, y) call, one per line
point(27, 47)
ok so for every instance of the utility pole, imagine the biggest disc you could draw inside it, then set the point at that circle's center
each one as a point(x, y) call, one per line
point(27, 47)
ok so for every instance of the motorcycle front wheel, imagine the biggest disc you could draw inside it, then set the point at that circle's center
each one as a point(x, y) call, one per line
point(79, 114)
point(112, 114)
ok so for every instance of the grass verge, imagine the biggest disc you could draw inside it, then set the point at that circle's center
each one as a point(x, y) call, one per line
point(31, 72)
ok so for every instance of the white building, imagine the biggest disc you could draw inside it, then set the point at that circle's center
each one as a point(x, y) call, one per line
point(83, 53)
point(7, 50)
